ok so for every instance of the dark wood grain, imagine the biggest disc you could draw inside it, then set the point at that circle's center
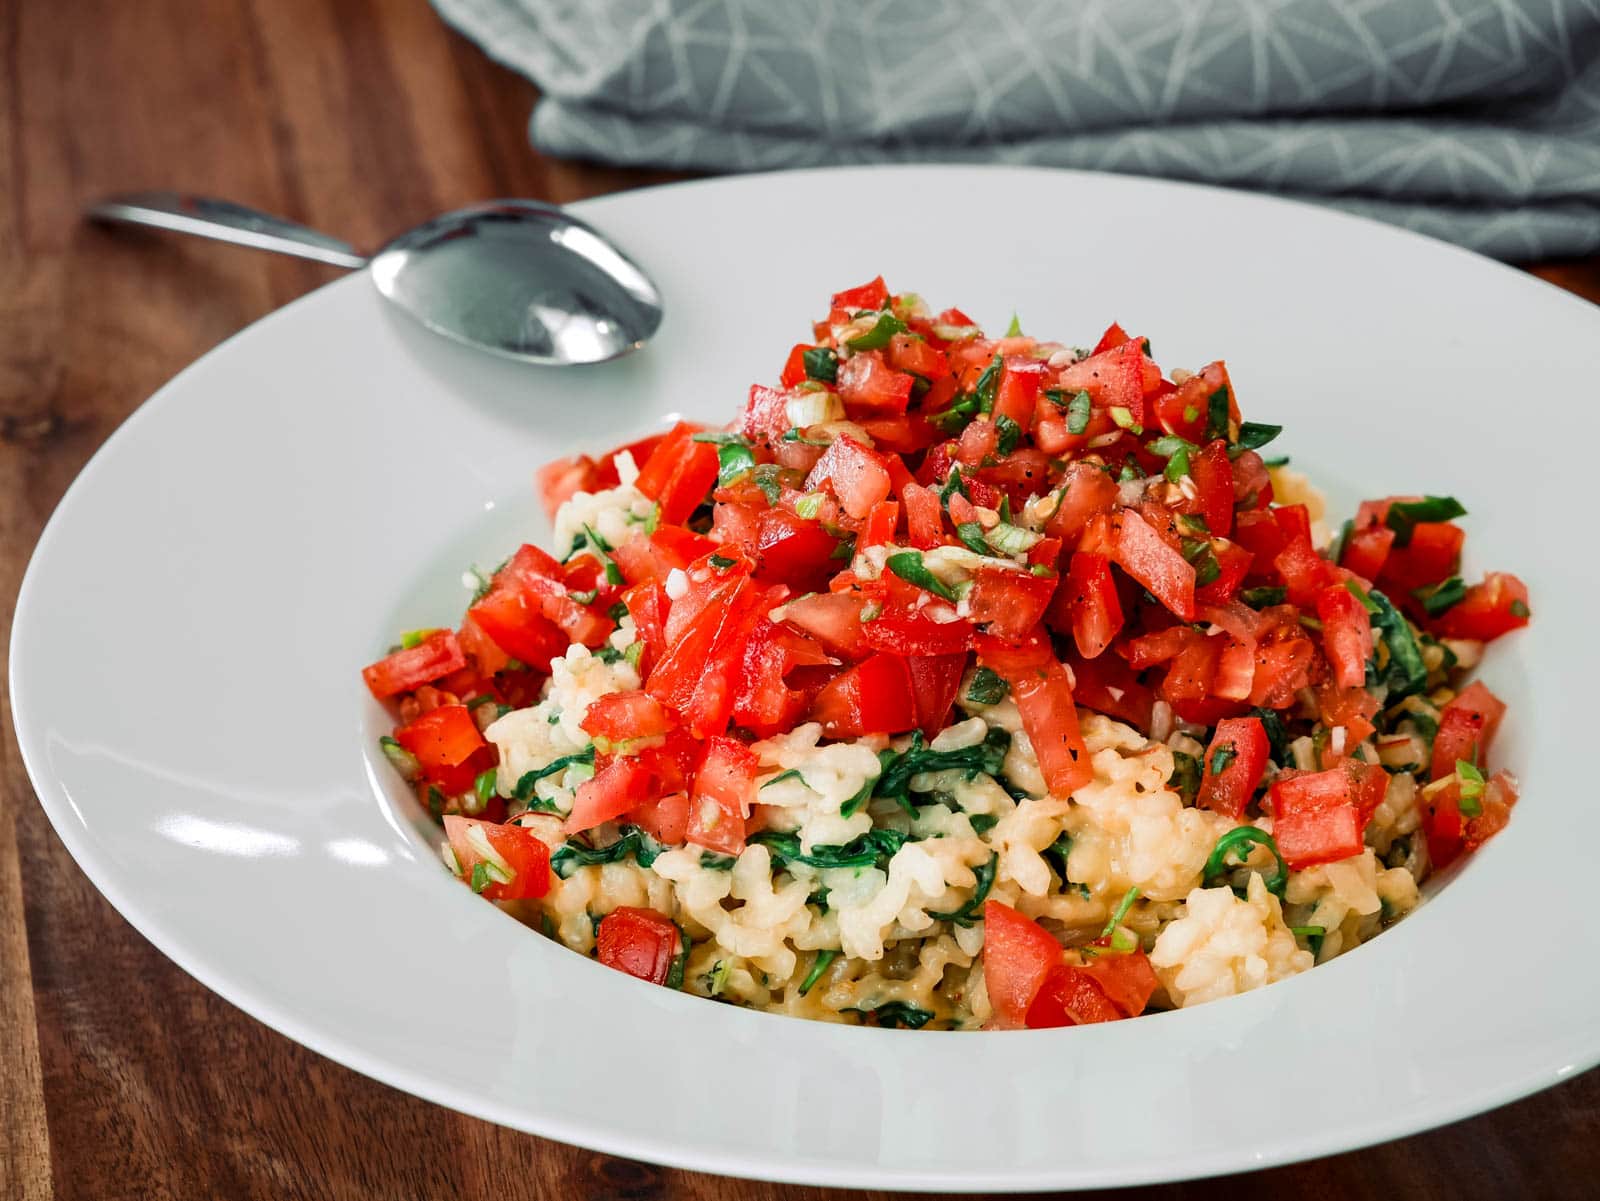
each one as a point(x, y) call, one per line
point(120, 1077)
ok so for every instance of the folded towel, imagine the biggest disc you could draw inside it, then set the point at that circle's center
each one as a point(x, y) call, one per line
point(1477, 121)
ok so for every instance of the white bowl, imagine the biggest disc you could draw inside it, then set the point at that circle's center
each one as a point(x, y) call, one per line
point(187, 643)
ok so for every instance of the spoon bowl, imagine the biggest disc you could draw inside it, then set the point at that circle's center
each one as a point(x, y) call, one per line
point(520, 279)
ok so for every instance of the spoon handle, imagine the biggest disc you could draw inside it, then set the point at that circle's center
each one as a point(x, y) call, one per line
point(225, 222)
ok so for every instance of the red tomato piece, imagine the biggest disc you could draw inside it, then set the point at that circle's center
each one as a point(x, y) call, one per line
point(857, 475)
point(1092, 609)
point(1466, 726)
point(481, 651)
point(1366, 550)
point(623, 716)
point(1496, 606)
point(1317, 817)
point(794, 367)
point(914, 355)
point(907, 630)
point(538, 575)
point(1018, 955)
point(1186, 410)
point(935, 680)
point(1043, 693)
point(697, 676)
point(1242, 743)
point(521, 853)
point(1126, 978)
point(834, 620)
point(512, 616)
point(924, 521)
point(791, 550)
point(873, 697)
point(766, 704)
point(679, 474)
point(1070, 996)
point(870, 386)
point(1115, 378)
point(1114, 336)
point(1144, 555)
point(1018, 392)
point(765, 417)
point(873, 294)
point(724, 789)
point(446, 737)
point(1009, 604)
point(1212, 473)
point(623, 783)
point(665, 819)
point(1086, 493)
point(1107, 685)
point(435, 656)
point(558, 481)
point(639, 942)
point(1346, 634)
point(878, 529)
point(647, 604)
point(1432, 554)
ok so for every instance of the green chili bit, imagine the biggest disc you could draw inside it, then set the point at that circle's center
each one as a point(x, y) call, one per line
point(1008, 434)
point(909, 567)
point(1240, 840)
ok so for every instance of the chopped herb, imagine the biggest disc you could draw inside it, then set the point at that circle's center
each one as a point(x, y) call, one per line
point(575, 854)
point(653, 519)
point(1009, 432)
point(634, 654)
point(986, 687)
point(987, 383)
point(1276, 461)
point(818, 966)
point(821, 363)
point(1128, 898)
point(1185, 777)
point(1218, 412)
point(717, 978)
point(896, 1013)
point(717, 863)
point(953, 483)
point(481, 586)
point(1221, 757)
point(987, 757)
point(1404, 515)
point(524, 789)
point(617, 611)
point(1255, 434)
point(1277, 733)
point(1057, 852)
point(733, 461)
point(1472, 782)
point(585, 598)
point(971, 535)
point(1206, 568)
point(480, 875)
point(722, 562)
point(866, 850)
point(1240, 840)
point(1078, 413)
point(909, 567)
point(435, 801)
point(483, 786)
point(1264, 597)
point(1518, 608)
point(680, 962)
point(720, 438)
point(415, 638)
point(950, 421)
point(1436, 598)
point(964, 916)
point(608, 654)
point(1405, 672)
point(982, 823)
point(1014, 330)
point(876, 338)
point(792, 774)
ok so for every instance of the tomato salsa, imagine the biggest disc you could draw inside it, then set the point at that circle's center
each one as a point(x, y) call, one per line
point(961, 681)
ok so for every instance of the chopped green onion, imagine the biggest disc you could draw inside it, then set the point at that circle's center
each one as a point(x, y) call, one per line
point(585, 598)
point(1206, 568)
point(617, 611)
point(483, 786)
point(971, 535)
point(909, 567)
point(1360, 593)
point(1011, 539)
point(950, 421)
point(1014, 330)
point(722, 562)
point(1308, 931)
point(1472, 782)
point(480, 875)
point(1078, 413)
point(733, 461)
point(524, 789)
point(1240, 839)
point(402, 760)
point(809, 505)
point(1406, 672)
point(1436, 598)
point(712, 861)
point(1128, 898)
point(876, 338)
point(818, 966)
point(1124, 418)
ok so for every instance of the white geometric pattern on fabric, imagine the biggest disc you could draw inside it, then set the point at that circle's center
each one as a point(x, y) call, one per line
point(1477, 121)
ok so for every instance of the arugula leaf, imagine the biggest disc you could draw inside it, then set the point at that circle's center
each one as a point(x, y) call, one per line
point(717, 863)
point(821, 363)
point(872, 849)
point(896, 1013)
point(1239, 840)
point(986, 687)
point(792, 774)
point(575, 854)
point(1404, 515)
point(909, 567)
point(1405, 672)
point(982, 823)
point(985, 881)
point(987, 758)
point(680, 961)
point(818, 966)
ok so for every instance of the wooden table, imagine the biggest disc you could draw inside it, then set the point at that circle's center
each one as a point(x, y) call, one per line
point(119, 1075)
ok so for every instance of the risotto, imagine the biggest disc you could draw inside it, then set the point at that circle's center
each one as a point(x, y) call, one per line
point(960, 682)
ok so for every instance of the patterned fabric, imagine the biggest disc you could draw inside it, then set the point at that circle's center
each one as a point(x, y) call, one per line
point(1477, 121)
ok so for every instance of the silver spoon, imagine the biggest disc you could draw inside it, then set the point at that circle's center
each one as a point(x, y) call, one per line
point(515, 277)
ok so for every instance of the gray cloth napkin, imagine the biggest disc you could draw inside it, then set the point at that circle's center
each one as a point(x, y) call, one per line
point(1477, 121)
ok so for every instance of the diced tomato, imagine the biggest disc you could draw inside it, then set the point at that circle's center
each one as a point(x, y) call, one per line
point(486, 658)
point(1107, 685)
point(1018, 391)
point(1070, 996)
point(1252, 483)
point(1018, 955)
point(913, 354)
point(1127, 979)
point(1009, 604)
point(871, 295)
point(1212, 473)
point(697, 675)
point(791, 550)
point(870, 386)
point(724, 790)
point(512, 617)
point(1346, 634)
point(1466, 727)
point(1086, 492)
point(1186, 411)
point(679, 474)
point(1114, 336)
point(765, 703)
point(1432, 554)
point(521, 854)
point(1240, 744)
point(1093, 612)
point(639, 942)
point(1285, 658)
point(443, 738)
point(935, 680)
point(1115, 378)
point(624, 716)
point(435, 656)
point(559, 480)
point(833, 619)
point(765, 417)
point(537, 575)
point(903, 629)
point(794, 367)
point(1494, 607)
point(1043, 693)
point(647, 604)
point(878, 529)
point(1233, 566)
point(857, 475)
point(613, 790)
point(873, 697)
point(665, 819)
point(1304, 572)
point(1019, 476)
point(1366, 550)
point(1261, 535)
point(655, 557)
point(1319, 817)
point(978, 442)
point(1144, 555)
point(924, 523)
